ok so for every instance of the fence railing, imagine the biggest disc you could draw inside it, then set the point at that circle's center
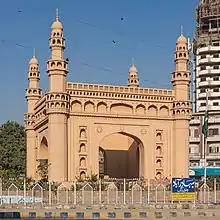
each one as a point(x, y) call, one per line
point(113, 192)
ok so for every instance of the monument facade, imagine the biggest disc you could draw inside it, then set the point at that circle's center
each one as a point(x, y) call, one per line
point(126, 131)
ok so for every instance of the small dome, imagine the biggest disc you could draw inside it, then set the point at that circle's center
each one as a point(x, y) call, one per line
point(33, 61)
point(132, 69)
point(57, 25)
point(181, 40)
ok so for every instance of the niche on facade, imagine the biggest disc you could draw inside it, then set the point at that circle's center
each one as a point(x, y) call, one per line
point(82, 133)
point(82, 148)
point(82, 162)
point(140, 110)
point(159, 163)
point(82, 175)
point(158, 136)
point(159, 175)
point(159, 150)
point(152, 110)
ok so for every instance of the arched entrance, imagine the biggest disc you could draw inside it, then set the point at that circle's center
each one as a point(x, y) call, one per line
point(121, 155)
point(43, 165)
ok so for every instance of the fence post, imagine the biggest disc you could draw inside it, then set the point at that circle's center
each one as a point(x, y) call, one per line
point(215, 193)
point(100, 191)
point(50, 191)
point(1, 190)
point(74, 191)
point(148, 191)
point(24, 191)
point(124, 191)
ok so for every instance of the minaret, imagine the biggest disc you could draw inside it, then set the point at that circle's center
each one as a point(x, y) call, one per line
point(182, 109)
point(57, 104)
point(133, 80)
point(33, 94)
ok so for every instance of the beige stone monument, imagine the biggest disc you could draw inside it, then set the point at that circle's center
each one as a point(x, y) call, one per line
point(115, 131)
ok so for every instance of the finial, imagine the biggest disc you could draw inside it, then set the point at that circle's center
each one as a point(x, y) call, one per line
point(34, 55)
point(57, 15)
point(132, 61)
point(181, 29)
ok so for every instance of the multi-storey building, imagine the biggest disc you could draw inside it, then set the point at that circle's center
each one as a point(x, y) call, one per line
point(207, 78)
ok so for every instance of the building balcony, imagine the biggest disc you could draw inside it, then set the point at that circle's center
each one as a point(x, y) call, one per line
point(208, 49)
point(208, 72)
point(194, 122)
point(212, 94)
point(194, 139)
point(194, 156)
point(208, 60)
point(213, 156)
point(211, 107)
point(208, 83)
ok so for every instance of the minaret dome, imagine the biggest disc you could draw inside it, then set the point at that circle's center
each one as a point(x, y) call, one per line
point(57, 24)
point(133, 80)
point(181, 40)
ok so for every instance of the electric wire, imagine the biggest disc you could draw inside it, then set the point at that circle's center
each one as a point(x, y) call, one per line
point(3, 41)
point(95, 67)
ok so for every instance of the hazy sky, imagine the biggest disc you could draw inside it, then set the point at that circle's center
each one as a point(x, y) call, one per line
point(148, 32)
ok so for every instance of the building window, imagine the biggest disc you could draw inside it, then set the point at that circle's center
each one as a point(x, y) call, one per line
point(202, 91)
point(216, 67)
point(215, 44)
point(215, 103)
point(216, 90)
point(203, 104)
point(216, 78)
point(203, 79)
point(213, 132)
point(203, 68)
point(203, 56)
point(196, 133)
point(213, 149)
point(215, 55)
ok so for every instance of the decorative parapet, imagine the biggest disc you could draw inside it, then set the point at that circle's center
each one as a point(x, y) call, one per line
point(124, 92)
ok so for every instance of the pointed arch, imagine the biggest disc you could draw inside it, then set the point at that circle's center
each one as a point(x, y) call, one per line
point(89, 106)
point(152, 110)
point(43, 149)
point(102, 107)
point(121, 108)
point(140, 109)
point(76, 106)
point(164, 111)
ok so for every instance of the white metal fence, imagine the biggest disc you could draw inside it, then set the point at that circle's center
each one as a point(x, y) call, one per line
point(100, 192)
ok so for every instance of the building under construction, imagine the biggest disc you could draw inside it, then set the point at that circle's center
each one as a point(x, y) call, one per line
point(206, 78)
point(208, 20)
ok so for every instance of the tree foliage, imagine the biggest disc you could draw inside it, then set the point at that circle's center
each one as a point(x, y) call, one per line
point(12, 149)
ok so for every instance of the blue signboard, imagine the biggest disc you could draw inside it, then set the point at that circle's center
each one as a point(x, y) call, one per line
point(183, 188)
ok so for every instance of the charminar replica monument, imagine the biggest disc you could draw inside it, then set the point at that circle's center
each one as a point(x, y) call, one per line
point(126, 131)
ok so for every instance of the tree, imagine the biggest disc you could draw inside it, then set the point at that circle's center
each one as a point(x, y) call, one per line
point(42, 169)
point(12, 149)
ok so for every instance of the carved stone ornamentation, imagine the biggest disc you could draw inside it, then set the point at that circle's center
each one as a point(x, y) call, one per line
point(143, 131)
point(99, 129)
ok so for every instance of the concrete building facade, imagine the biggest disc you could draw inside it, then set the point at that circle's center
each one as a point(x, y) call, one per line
point(207, 77)
point(117, 131)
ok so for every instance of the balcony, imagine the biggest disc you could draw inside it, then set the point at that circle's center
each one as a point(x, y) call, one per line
point(209, 49)
point(211, 108)
point(213, 156)
point(209, 83)
point(209, 60)
point(215, 138)
point(208, 72)
point(212, 94)
point(194, 156)
point(193, 140)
